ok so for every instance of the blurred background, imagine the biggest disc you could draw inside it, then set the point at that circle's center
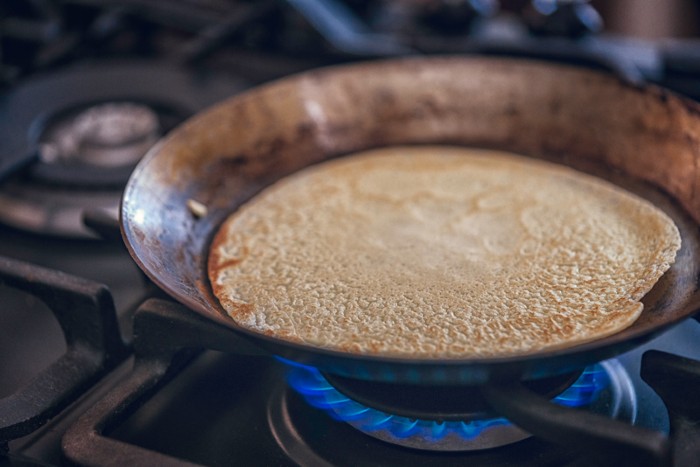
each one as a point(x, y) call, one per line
point(651, 19)
point(87, 86)
point(36, 34)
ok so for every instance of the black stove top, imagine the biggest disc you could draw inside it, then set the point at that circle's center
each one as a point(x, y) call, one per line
point(88, 375)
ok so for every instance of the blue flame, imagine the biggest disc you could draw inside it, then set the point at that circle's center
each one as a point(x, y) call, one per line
point(586, 388)
point(318, 392)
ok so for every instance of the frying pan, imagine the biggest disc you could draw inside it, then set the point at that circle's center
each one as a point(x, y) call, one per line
point(639, 137)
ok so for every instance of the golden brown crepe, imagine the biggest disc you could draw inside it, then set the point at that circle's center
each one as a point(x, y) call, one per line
point(440, 252)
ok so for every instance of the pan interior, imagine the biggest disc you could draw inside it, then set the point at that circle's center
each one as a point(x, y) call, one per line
point(440, 252)
point(640, 139)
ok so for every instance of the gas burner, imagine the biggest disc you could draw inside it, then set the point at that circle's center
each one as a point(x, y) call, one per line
point(104, 135)
point(72, 138)
point(97, 146)
point(604, 388)
point(309, 436)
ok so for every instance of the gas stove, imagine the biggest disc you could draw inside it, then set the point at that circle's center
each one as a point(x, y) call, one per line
point(100, 367)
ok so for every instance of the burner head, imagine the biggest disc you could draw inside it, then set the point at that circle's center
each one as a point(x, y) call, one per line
point(79, 132)
point(473, 426)
point(96, 146)
point(104, 135)
point(436, 403)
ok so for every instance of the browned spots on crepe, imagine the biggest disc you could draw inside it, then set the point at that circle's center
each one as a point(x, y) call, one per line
point(439, 251)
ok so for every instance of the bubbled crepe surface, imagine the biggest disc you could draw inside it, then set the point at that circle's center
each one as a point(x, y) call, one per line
point(440, 252)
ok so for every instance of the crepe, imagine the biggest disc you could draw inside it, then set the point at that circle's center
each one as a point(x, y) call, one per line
point(440, 252)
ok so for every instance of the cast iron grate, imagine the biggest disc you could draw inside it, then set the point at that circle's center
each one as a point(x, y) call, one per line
point(168, 335)
point(85, 311)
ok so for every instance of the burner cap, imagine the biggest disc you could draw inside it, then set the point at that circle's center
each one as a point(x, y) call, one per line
point(86, 127)
point(97, 146)
point(103, 135)
point(438, 403)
